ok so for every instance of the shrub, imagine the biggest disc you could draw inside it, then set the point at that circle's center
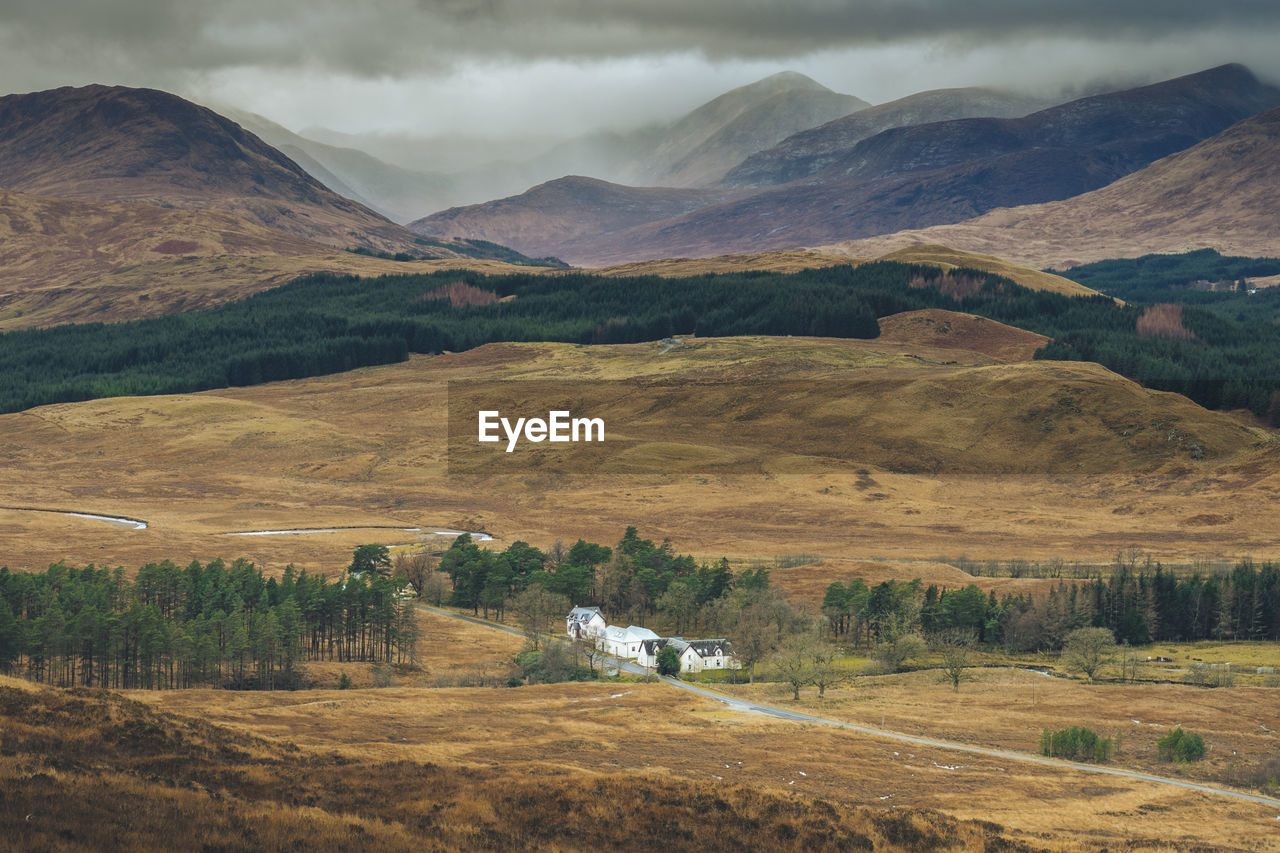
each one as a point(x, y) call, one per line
point(1076, 743)
point(1184, 747)
point(344, 682)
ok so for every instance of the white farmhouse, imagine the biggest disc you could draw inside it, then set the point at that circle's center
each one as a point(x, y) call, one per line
point(699, 655)
point(695, 655)
point(625, 642)
point(585, 622)
point(649, 649)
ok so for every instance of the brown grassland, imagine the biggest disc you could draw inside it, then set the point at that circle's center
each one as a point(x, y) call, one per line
point(897, 448)
point(938, 438)
point(612, 766)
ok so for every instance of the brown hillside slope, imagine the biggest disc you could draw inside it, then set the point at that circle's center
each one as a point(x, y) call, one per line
point(943, 330)
point(795, 260)
point(560, 214)
point(111, 143)
point(742, 446)
point(1220, 194)
point(568, 767)
point(85, 261)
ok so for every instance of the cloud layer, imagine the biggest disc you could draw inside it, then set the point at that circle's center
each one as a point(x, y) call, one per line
point(399, 47)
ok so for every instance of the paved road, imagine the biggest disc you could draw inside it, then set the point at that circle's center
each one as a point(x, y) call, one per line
point(796, 716)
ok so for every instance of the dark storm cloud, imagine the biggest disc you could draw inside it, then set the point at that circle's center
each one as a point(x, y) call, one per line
point(398, 37)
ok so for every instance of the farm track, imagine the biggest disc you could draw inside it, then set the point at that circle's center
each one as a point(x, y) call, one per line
point(796, 716)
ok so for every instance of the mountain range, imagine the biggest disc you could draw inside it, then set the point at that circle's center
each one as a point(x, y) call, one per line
point(904, 177)
point(122, 202)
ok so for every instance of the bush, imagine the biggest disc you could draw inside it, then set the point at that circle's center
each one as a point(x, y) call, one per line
point(344, 682)
point(1077, 744)
point(1184, 747)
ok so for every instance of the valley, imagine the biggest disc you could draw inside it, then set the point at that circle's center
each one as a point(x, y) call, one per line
point(969, 543)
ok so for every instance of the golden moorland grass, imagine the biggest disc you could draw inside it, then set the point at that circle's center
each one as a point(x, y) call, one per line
point(649, 731)
point(747, 447)
point(420, 769)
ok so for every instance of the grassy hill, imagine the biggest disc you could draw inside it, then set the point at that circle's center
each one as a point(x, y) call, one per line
point(905, 446)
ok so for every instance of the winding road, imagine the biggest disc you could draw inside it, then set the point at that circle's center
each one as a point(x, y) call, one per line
point(797, 717)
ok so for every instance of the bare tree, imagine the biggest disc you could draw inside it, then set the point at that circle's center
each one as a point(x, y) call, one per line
point(955, 646)
point(827, 671)
point(590, 648)
point(416, 565)
point(753, 637)
point(794, 662)
point(1088, 650)
point(539, 611)
point(892, 655)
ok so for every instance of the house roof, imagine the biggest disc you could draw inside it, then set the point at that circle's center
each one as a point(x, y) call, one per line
point(652, 647)
point(709, 648)
point(629, 634)
point(584, 614)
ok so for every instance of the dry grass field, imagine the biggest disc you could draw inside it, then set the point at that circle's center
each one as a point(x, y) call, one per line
point(539, 769)
point(649, 731)
point(927, 441)
point(578, 766)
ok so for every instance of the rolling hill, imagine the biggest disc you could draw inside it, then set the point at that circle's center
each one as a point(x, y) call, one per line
point(1220, 194)
point(932, 440)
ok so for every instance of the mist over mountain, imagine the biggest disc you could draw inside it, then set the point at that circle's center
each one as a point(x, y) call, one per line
point(810, 151)
point(934, 173)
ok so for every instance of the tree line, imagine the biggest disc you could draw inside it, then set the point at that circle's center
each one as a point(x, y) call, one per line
point(635, 580)
point(214, 625)
point(1138, 604)
point(338, 323)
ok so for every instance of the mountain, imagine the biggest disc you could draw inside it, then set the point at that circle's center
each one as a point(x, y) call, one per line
point(700, 147)
point(810, 151)
point(65, 261)
point(398, 193)
point(566, 213)
point(141, 145)
point(1220, 194)
point(912, 177)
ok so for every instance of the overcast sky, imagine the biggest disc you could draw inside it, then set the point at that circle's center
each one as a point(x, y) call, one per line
point(496, 67)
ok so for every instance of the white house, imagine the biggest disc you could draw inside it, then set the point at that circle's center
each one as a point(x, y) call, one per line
point(585, 622)
point(625, 642)
point(649, 649)
point(699, 655)
point(695, 655)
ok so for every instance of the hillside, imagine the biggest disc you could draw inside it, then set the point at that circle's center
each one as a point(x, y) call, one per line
point(1219, 194)
point(106, 143)
point(926, 441)
point(565, 213)
point(92, 261)
point(810, 151)
point(396, 192)
point(944, 172)
point(700, 147)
